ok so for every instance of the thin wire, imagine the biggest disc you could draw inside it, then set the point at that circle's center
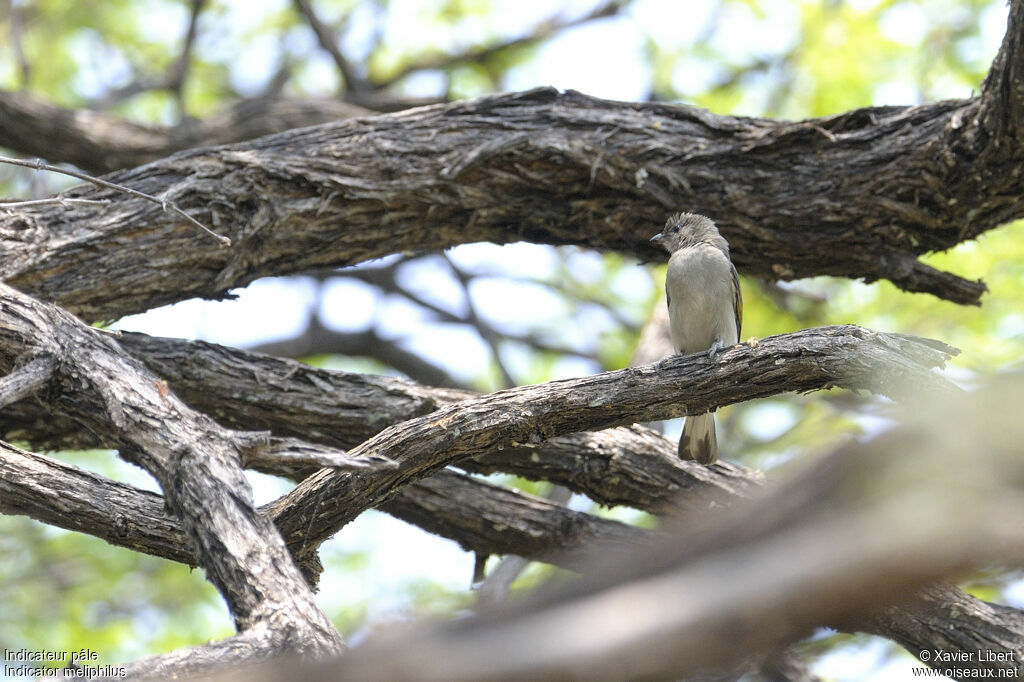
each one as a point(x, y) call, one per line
point(164, 203)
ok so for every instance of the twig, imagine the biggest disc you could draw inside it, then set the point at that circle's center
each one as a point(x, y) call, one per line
point(329, 42)
point(63, 201)
point(486, 331)
point(17, 26)
point(179, 68)
point(541, 31)
point(164, 203)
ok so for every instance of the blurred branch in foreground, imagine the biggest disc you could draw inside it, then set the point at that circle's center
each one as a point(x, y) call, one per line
point(854, 532)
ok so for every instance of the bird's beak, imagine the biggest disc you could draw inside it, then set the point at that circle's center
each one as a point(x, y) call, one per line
point(658, 238)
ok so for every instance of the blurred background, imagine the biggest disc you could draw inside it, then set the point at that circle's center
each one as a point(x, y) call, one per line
point(482, 316)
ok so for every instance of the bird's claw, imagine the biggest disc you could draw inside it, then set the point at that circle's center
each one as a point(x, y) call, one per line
point(713, 351)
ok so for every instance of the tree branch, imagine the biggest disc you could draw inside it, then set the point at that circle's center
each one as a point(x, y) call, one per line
point(852, 533)
point(318, 339)
point(510, 522)
point(16, 24)
point(543, 30)
point(489, 519)
point(477, 515)
point(117, 513)
point(628, 465)
point(179, 69)
point(385, 278)
point(625, 465)
point(195, 461)
point(329, 42)
point(857, 195)
point(861, 194)
point(1002, 102)
point(25, 380)
point(607, 173)
point(844, 536)
point(100, 143)
point(851, 357)
point(942, 618)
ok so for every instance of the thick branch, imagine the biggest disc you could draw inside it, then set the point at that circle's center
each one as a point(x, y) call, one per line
point(195, 460)
point(65, 496)
point(479, 516)
point(238, 652)
point(630, 465)
point(490, 519)
point(857, 195)
point(256, 392)
point(860, 194)
point(850, 357)
point(941, 618)
point(627, 465)
point(1002, 111)
point(856, 530)
point(98, 142)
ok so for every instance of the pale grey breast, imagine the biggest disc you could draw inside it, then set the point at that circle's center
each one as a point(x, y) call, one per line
point(699, 285)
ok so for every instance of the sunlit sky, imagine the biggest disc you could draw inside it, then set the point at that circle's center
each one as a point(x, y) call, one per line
point(604, 59)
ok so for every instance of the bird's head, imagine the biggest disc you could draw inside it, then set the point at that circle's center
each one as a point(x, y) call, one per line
point(689, 229)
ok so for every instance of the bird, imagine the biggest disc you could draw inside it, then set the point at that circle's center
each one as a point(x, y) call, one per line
point(705, 309)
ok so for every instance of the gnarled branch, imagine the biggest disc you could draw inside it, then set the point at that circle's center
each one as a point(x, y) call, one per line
point(849, 535)
point(860, 194)
point(850, 357)
point(195, 460)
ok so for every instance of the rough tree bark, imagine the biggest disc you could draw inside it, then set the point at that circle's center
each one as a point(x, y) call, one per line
point(893, 365)
point(195, 460)
point(819, 530)
point(860, 194)
point(643, 473)
point(852, 532)
point(509, 523)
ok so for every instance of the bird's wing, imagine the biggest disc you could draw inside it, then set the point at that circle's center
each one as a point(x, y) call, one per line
point(737, 299)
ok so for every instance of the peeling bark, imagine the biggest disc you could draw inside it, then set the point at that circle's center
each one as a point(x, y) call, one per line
point(860, 194)
point(851, 357)
point(195, 460)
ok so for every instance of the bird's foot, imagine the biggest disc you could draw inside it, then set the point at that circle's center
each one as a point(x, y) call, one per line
point(715, 347)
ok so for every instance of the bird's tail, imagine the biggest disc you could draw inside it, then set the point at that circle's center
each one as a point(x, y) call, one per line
point(698, 441)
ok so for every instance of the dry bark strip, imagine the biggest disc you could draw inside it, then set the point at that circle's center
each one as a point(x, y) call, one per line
point(195, 460)
point(860, 194)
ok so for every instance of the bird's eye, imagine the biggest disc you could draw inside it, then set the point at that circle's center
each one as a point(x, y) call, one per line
point(675, 229)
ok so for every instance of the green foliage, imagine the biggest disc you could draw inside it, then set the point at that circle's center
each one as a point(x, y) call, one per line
point(66, 591)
